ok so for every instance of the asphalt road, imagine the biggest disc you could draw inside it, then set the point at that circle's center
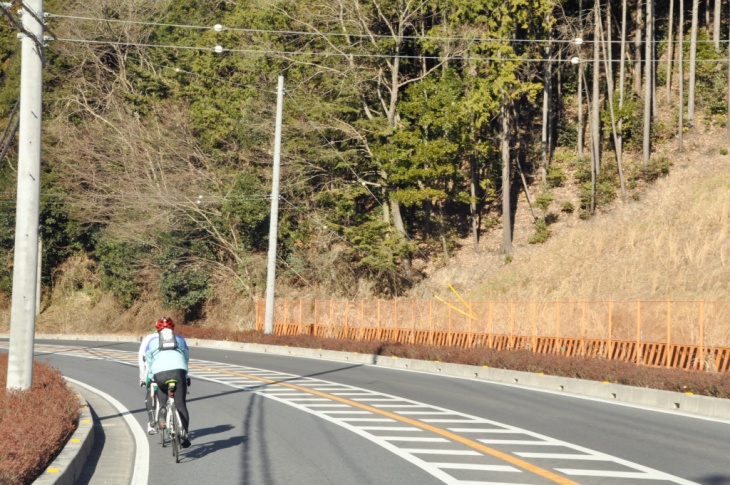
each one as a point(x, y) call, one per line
point(265, 419)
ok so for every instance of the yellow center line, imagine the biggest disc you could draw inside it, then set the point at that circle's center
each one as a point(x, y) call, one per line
point(446, 434)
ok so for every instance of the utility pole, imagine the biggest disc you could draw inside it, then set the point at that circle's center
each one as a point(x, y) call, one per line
point(23, 306)
point(274, 218)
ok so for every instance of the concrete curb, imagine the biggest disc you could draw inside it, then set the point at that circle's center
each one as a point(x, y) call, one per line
point(67, 466)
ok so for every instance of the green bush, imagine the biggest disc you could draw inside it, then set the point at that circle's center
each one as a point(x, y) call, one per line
point(555, 176)
point(184, 289)
point(542, 232)
point(567, 207)
point(116, 270)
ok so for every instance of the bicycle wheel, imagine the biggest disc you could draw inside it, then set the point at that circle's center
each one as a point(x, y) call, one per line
point(175, 434)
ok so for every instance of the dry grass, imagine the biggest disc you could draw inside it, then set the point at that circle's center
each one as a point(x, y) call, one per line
point(672, 244)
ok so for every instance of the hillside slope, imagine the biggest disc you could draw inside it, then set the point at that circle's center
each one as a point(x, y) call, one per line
point(670, 243)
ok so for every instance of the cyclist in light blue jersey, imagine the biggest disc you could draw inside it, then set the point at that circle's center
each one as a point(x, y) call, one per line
point(167, 358)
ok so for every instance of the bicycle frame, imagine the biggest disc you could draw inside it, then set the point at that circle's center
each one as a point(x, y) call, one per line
point(173, 425)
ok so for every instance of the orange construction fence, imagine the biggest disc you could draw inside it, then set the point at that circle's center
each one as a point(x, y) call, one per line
point(669, 333)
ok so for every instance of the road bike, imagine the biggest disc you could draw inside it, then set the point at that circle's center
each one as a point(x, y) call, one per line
point(172, 432)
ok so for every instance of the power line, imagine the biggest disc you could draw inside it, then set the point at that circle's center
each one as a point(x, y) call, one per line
point(222, 28)
point(220, 50)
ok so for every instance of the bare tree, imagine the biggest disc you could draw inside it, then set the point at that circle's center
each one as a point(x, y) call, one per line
point(638, 27)
point(595, 106)
point(680, 75)
point(716, 24)
point(670, 49)
point(648, 91)
point(608, 65)
point(693, 63)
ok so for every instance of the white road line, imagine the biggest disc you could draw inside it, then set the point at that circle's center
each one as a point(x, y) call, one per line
point(473, 466)
point(385, 406)
point(370, 420)
point(438, 420)
point(328, 405)
point(426, 451)
point(482, 430)
point(520, 442)
point(390, 428)
point(563, 456)
point(347, 412)
point(611, 474)
point(142, 448)
point(414, 439)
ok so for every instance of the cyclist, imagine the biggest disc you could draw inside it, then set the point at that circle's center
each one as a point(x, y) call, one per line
point(167, 357)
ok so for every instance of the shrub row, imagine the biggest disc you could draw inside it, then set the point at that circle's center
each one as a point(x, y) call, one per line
point(34, 424)
point(617, 372)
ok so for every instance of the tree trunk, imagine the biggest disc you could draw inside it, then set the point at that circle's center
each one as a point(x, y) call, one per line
point(670, 50)
point(648, 92)
point(580, 126)
point(716, 25)
point(692, 64)
point(506, 186)
point(595, 107)
point(473, 203)
point(595, 111)
point(638, 25)
point(680, 75)
point(608, 65)
point(622, 81)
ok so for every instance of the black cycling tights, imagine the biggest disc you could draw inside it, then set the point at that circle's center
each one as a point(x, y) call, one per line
point(180, 392)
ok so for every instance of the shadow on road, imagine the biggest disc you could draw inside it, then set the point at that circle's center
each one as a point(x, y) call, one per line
point(199, 450)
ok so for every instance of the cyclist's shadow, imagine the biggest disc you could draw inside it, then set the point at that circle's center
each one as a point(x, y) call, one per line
point(200, 449)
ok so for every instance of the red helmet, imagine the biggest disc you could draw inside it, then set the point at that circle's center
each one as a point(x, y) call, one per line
point(165, 322)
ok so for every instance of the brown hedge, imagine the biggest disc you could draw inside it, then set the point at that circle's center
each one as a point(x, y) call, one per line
point(697, 382)
point(34, 424)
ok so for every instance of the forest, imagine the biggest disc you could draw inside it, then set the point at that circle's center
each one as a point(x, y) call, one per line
point(408, 125)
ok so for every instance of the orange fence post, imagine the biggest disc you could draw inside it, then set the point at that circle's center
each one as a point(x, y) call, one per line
point(394, 338)
point(668, 352)
point(511, 325)
point(491, 326)
point(430, 322)
point(413, 321)
point(556, 349)
point(534, 326)
point(610, 329)
point(639, 360)
point(583, 330)
point(471, 336)
point(449, 336)
point(702, 335)
point(380, 334)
